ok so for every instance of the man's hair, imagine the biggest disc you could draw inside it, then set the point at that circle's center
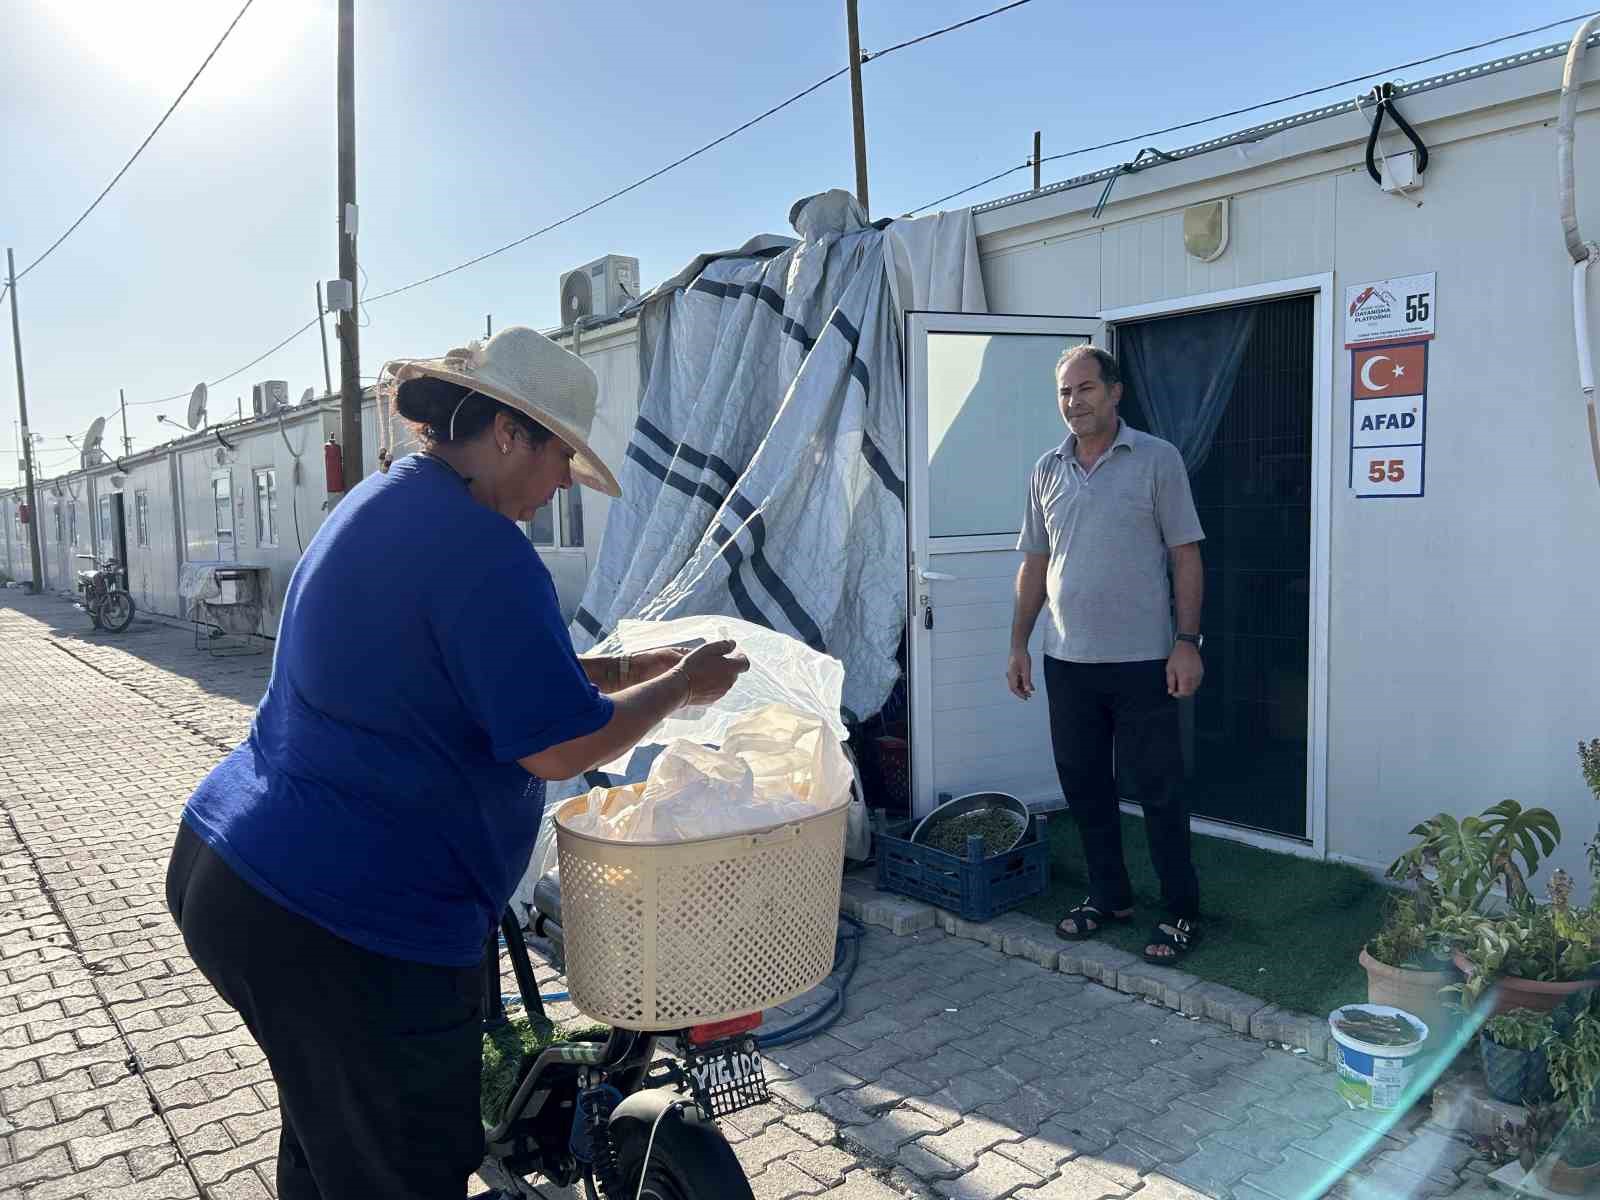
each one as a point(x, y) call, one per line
point(1110, 373)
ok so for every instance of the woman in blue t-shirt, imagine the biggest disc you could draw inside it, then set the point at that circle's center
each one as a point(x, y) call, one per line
point(336, 877)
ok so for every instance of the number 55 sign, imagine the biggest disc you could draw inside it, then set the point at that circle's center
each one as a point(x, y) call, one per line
point(1387, 470)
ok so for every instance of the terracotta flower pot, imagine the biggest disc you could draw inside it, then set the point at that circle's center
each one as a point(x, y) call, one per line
point(1417, 992)
point(1512, 991)
point(1555, 1174)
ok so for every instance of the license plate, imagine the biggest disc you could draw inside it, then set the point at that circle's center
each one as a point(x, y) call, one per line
point(727, 1077)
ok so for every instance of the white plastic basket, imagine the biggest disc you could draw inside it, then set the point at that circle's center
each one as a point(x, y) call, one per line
point(665, 935)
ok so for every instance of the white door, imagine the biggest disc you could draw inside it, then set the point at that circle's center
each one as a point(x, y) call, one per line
point(222, 506)
point(982, 400)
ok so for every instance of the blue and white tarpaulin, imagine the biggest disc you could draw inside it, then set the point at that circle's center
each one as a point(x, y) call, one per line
point(765, 478)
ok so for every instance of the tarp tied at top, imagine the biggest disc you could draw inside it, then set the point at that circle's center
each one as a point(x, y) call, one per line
point(765, 478)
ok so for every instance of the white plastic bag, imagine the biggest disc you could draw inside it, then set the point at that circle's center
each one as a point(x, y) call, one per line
point(783, 670)
point(776, 765)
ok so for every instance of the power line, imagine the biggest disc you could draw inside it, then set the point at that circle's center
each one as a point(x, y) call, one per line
point(107, 190)
point(868, 57)
point(711, 145)
point(654, 175)
point(1237, 112)
point(614, 195)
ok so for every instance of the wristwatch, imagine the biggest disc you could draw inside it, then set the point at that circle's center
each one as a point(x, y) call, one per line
point(1196, 640)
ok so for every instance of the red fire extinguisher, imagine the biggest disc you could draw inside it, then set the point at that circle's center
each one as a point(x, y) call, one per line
point(333, 466)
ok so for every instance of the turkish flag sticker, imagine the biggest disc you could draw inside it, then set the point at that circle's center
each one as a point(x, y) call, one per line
point(1389, 371)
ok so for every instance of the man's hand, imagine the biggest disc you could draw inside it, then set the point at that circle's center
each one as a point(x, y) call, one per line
point(1019, 674)
point(1184, 671)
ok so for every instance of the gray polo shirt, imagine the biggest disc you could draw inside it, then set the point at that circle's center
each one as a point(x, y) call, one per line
point(1107, 531)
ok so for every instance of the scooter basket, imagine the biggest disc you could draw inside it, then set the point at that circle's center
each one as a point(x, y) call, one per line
point(667, 935)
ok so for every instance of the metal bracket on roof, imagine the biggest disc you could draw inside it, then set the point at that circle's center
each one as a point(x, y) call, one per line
point(1139, 163)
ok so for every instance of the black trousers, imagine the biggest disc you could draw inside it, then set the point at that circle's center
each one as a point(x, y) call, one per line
point(1114, 730)
point(376, 1059)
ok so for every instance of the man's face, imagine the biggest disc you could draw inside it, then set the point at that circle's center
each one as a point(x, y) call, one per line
point(1088, 406)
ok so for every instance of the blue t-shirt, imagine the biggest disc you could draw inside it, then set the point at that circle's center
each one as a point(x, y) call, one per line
point(420, 655)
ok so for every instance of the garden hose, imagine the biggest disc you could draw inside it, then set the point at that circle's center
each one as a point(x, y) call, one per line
point(846, 955)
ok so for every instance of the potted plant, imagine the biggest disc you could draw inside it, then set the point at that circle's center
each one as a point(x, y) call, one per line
point(1405, 969)
point(1571, 1165)
point(1457, 865)
point(1535, 955)
point(1511, 1046)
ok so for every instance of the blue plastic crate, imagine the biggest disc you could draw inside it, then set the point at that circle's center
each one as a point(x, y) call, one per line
point(974, 889)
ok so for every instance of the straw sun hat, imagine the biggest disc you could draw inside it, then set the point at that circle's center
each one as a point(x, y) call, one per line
point(525, 370)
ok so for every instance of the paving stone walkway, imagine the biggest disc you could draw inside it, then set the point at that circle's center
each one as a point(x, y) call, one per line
point(956, 1072)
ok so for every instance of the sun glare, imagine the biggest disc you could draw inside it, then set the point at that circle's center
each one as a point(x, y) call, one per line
point(158, 45)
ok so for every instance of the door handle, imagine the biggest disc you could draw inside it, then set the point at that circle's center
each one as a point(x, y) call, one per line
point(935, 577)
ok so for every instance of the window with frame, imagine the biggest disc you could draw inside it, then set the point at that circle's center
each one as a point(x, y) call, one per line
point(72, 523)
point(107, 542)
point(141, 517)
point(267, 507)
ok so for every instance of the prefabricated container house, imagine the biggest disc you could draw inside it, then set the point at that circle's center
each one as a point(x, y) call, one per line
point(1376, 390)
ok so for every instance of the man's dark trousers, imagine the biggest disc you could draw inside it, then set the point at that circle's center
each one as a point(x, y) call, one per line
point(1095, 707)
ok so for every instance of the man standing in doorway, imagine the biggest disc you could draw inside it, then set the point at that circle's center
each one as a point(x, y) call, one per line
point(1107, 510)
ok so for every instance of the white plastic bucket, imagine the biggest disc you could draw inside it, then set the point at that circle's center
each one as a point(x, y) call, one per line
point(1373, 1076)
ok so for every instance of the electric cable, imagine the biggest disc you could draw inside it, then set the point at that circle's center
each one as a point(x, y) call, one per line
point(106, 191)
point(1236, 112)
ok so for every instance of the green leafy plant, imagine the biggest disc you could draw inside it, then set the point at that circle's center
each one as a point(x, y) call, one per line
point(1574, 1053)
point(1463, 861)
point(1519, 1029)
point(1589, 760)
point(1403, 939)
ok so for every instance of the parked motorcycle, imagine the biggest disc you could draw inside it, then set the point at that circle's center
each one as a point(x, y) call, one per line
point(104, 595)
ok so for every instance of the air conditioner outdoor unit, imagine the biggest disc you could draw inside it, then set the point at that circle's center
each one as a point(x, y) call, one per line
point(266, 398)
point(600, 288)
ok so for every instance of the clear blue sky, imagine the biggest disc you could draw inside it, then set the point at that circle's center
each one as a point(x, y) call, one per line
point(477, 123)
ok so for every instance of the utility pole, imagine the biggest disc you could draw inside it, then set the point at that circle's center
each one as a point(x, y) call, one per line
point(855, 105)
point(127, 442)
point(349, 342)
point(1036, 160)
point(488, 326)
point(27, 438)
point(322, 328)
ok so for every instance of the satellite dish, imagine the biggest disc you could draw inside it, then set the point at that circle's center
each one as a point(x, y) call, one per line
point(197, 406)
point(90, 453)
point(307, 396)
point(577, 297)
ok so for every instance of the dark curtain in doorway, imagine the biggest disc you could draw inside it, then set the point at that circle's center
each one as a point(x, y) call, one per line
point(1183, 370)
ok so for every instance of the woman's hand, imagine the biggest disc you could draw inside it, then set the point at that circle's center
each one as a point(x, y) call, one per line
point(709, 672)
point(645, 665)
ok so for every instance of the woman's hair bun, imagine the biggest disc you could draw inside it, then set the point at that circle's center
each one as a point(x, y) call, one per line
point(428, 401)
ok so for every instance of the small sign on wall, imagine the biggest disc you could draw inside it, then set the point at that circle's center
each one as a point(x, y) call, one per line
point(1390, 310)
point(1388, 419)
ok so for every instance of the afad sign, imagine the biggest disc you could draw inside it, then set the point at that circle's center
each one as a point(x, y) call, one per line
point(1388, 391)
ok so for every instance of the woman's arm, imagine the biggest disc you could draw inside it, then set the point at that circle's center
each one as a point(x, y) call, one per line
point(612, 674)
point(702, 677)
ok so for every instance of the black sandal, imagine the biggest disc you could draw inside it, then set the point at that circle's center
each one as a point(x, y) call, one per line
point(1086, 912)
point(1182, 937)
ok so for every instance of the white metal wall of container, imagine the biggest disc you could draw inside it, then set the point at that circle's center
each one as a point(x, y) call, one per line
point(255, 449)
point(1462, 658)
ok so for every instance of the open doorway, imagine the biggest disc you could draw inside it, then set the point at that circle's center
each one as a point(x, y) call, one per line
point(1248, 441)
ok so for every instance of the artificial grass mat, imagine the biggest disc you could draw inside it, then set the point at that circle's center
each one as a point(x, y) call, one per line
point(506, 1048)
point(1284, 929)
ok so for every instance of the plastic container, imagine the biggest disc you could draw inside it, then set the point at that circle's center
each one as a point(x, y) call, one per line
point(1373, 1076)
point(666, 935)
point(974, 888)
